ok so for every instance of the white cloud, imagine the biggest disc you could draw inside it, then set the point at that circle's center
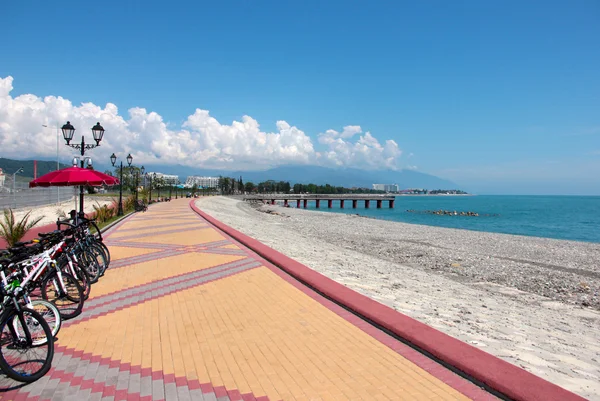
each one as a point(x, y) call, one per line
point(201, 141)
point(367, 152)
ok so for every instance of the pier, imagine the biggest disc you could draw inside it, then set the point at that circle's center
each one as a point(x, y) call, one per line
point(303, 199)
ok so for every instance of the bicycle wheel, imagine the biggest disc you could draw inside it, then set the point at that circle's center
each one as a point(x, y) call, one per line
point(51, 315)
point(82, 276)
point(69, 300)
point(98, 254)
point(19, 358)
point(90, 264)
point(106, 252)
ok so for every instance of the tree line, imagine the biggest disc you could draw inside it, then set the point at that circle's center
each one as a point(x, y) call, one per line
point(232, 185)
point(229, 186)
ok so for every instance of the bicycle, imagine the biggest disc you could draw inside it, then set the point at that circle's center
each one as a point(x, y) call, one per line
point(26, 341)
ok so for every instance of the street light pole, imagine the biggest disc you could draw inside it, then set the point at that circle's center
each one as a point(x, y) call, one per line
point(149, 177)
point(57, 159)
point(120, 211)
point(98, 132)
point(158, 187)
point(137, 182)
point(15, 187)
point(113, 159)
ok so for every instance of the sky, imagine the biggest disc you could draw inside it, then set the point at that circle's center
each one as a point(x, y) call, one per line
point(499, 96)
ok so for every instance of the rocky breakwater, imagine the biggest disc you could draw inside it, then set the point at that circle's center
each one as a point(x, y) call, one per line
point(452, 213)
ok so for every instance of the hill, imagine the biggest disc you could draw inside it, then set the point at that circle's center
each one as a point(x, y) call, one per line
point(303, 174)
point(300, 174)
point(9, 166)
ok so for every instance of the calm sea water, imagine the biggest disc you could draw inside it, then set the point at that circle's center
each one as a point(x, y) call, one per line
point(562, 217)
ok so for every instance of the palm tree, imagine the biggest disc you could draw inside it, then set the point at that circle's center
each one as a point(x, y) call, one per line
point(11, 231)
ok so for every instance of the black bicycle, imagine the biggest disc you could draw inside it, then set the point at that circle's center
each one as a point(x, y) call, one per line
point(140, 206)
point(26, 341)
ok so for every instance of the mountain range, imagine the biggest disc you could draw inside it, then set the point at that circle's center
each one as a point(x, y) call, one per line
point(295, 174)
point(9, 166)
point(303, 174)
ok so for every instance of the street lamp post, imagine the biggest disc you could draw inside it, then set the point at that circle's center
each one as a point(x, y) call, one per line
point(158, 188)
point(113, 159)
point(149, 177)
point(98, 132)
point(57, 162)
point(137, 182)
point(15, 187)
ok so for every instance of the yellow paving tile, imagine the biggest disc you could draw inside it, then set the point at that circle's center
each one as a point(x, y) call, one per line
point(292, 332)
point(251, 331)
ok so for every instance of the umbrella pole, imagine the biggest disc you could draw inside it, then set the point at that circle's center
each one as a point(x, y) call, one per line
point(81, 198)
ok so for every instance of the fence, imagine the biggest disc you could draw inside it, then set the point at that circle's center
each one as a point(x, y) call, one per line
point(22, 196)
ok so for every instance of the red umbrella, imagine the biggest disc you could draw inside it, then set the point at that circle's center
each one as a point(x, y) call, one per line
point(72, 176)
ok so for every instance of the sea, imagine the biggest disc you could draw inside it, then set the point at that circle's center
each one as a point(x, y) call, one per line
point(574, 218)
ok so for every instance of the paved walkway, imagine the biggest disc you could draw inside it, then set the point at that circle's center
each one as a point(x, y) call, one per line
point(186, 313)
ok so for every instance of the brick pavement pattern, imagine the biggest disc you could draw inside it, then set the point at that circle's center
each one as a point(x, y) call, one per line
point(186, 313)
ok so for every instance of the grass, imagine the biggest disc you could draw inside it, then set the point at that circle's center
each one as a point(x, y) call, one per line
point(103, 224)
point(107, 194)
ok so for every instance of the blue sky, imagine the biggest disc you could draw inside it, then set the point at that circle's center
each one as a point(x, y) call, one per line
point(502, 97)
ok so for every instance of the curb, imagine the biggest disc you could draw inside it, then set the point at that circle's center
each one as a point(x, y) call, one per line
point(507, 379)
point(114, 223)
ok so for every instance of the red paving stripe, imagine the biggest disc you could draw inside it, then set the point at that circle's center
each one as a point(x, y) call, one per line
point(158, 227)
point(148, 257)
point(146, 245)
point(173, 250)
point(152, 245)
point(155, 285)
point(228, 272)
point(507, 379)
point(97, 386)
point(173, 231)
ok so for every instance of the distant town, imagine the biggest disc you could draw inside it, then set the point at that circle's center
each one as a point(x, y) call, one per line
point(229, 185)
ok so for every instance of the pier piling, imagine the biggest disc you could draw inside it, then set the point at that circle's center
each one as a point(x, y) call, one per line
point(302, 199)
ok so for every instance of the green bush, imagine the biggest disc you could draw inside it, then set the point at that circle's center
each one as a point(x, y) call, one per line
point(12, 231)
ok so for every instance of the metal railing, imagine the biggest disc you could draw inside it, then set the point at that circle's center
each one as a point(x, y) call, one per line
point(19, 195)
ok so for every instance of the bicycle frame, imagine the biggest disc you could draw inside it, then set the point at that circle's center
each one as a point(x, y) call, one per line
point(42, 260)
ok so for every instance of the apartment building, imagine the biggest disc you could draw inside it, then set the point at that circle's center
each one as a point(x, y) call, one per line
point(386, 187)
point(169, 179)
point(201, 181)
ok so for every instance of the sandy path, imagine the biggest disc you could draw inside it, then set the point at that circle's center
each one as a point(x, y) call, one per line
point(552, 339)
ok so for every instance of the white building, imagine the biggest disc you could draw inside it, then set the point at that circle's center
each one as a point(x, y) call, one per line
point(169, 179)
point(204, 182)
point(2, 178)
point(386, 187)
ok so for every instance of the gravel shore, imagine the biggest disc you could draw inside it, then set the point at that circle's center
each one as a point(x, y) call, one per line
point(531, 301)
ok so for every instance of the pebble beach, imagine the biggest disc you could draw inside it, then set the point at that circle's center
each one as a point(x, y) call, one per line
point(533, 302)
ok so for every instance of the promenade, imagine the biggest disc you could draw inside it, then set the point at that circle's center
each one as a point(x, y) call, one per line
point(187, 313)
